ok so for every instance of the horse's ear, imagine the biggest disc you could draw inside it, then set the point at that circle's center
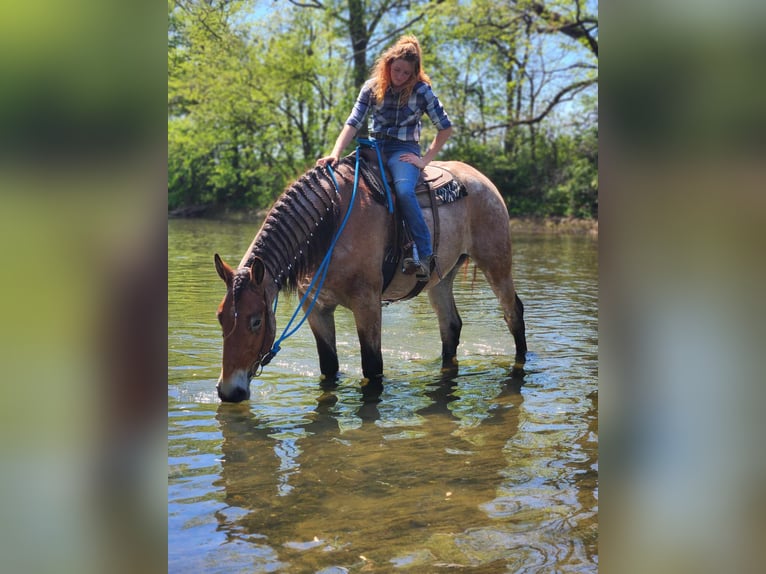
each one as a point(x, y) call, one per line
point(257, 270)
point(224, 271)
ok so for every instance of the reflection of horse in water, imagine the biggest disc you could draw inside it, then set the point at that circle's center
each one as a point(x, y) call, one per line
point(300, 230)
point(380, 490)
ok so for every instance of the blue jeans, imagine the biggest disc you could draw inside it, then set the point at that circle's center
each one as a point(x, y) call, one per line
point(405, 179)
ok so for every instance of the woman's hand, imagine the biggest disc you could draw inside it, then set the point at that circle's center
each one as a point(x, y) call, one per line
point(414, 159)
point(330, 160)
point(346, 135)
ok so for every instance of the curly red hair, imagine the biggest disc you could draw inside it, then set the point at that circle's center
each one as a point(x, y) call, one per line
point(406, 48)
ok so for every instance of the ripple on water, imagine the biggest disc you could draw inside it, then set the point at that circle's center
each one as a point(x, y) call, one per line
point(461, 471)
point(519, 552)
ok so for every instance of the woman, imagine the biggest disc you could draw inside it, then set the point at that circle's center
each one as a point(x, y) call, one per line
point(399, 93)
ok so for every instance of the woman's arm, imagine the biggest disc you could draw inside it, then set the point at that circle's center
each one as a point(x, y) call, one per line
point(351, 127)
point(346, 135)
point(441, 137)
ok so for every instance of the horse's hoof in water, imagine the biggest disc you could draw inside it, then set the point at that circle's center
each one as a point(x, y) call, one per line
point(327, 398)
point(372, 389)
point(517, 371)
point(450, 365)
point(328, 382)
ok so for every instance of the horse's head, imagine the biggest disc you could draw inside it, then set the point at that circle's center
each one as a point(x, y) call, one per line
point(249, 327)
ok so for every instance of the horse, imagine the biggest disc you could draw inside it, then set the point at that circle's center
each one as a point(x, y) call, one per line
point(302, 227)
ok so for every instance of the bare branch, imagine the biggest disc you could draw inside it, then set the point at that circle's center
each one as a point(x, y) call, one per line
point(577, 30)
point(200, 15)
point(570, 91)
point(310, 4)
point(396, 32)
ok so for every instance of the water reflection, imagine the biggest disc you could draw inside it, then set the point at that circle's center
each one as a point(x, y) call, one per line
point(340, 479)
point(383, 490)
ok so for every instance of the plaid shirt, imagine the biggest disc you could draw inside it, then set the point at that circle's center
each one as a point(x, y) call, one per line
point(403, 123)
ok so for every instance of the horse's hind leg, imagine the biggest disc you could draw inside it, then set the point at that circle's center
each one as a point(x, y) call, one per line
point(498, 274)
point(518, 330)
point(322, 323)
point(450, 324)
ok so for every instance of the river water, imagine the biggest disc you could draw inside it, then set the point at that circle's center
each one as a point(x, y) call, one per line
point(474, 472)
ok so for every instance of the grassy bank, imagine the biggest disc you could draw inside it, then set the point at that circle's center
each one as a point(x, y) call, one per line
point(563, 225)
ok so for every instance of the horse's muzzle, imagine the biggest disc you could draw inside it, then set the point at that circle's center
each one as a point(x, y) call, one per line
point(237, 395)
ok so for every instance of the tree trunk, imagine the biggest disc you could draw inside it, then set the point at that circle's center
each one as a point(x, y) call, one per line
point(359, 40)
point(509, 143)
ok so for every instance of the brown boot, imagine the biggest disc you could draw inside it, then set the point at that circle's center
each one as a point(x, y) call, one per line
point(423, 273)
point(410, 265)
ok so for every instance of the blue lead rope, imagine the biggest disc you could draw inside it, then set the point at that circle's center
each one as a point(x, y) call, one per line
point(374, 145)
point(321, 271)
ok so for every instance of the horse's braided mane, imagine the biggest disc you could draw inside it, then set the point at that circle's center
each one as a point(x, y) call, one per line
point(299, 228)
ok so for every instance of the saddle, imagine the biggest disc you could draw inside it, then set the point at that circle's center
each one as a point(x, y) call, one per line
point(436, 186)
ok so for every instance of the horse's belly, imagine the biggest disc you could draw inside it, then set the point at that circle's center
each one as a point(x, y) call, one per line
point(401, 286)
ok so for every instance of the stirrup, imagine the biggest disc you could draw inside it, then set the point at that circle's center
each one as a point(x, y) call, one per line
point(423, 273)
point(410, 265)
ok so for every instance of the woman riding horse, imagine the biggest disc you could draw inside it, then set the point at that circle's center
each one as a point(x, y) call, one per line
point(321, 228)
point(399, 93)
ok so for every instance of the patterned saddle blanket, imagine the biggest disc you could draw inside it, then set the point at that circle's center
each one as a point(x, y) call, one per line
point(446, 188)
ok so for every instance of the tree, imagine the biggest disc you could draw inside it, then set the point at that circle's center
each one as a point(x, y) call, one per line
point(255, 94)
point(254, 104)
point(362, 19)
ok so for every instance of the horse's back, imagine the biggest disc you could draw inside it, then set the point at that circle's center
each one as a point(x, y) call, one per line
point(487, 235)
point(483, 198)
point(475, 182)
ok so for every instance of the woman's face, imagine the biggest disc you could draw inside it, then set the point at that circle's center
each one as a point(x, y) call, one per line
point(401, 72)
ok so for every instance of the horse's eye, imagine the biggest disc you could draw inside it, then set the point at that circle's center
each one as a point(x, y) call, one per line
point(255, 322)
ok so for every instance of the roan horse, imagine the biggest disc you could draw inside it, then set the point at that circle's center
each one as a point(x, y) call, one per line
point(297, 234)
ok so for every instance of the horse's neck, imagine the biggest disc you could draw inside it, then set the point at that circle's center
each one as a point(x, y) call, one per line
point(297, 231)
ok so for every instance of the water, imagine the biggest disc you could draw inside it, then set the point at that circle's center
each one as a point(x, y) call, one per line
point(479, 472)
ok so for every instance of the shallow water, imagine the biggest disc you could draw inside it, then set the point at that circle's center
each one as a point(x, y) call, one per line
point(479, 471)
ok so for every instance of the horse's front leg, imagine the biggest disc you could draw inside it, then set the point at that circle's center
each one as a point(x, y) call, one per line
point(368, 318)
point(322, 323)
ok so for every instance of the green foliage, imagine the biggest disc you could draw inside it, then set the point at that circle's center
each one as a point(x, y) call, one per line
point(256, 94)
point(558, 177)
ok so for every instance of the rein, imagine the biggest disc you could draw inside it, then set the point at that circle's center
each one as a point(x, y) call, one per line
point(373, 144)
point(321, 271)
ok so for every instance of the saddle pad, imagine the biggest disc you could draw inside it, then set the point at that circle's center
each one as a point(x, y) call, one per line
point(446, 188)
point(449, 190)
